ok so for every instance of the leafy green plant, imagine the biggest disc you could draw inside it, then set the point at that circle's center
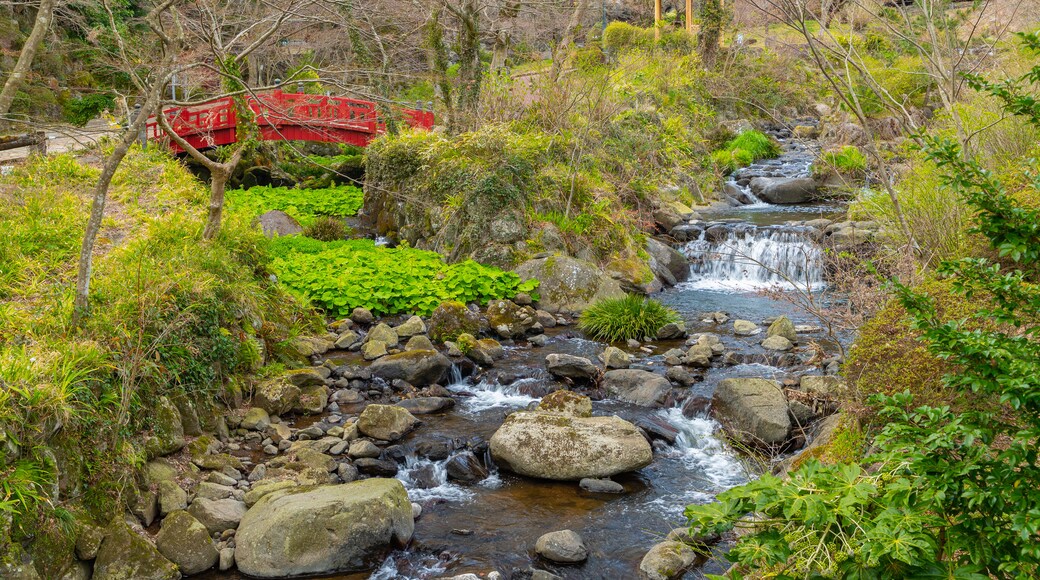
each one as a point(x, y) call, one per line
point(80, 110)
point(618, 319)
point(303, 204)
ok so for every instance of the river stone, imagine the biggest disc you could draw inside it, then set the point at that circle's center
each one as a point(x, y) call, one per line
point(783, 327)
point(374, 349)
point(777, 343)
point(386, 422)
point(312, 400)
point(417, 367)
point(227, 559)
point(186, 542)
point(419, 342)
point(362, 316)
point(755, 408)
point(465, 467)
point(278, 223)
point(821, 385)
point(124, 554)
point(256, 419)
point(171, 497)
point(384, 334)
point(451, 319)
point(564, 402)
point(277, 396)
point(699, 355)
point(784, 190)
point(670, 266)
point(571, 367)
point(218, 514)
point(307, 377)
point(347, 339)
point(615, 358)
point(564, 546)
point(569, 284)
point(510, 320)
point(427, 405)
point(411, 327)
point(363, 448)
point(323, 529)
point(601, 485)
point(636, 386)
point(745, 328)
point(667, 561)
point(551, 446)
point(672, 330)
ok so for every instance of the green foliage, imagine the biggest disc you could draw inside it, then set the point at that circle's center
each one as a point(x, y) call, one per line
point(302, 204)
point(623, 36)
point(80, 110)
point(341, 276)
point(847, 161)
point(617, 319)
point(951, 493)
point(904, 80)
point(327, 229)
point(743, 150)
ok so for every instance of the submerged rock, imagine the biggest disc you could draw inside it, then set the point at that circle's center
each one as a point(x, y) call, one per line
point(552, 446)
point(601, 485)
point(755, 408)
point(323, 529)
point(564, 546)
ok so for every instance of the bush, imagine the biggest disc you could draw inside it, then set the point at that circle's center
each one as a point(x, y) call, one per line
point(80, 110)
point(623, 36)
point(617, 319)
point(327, 229)
point(848, 161)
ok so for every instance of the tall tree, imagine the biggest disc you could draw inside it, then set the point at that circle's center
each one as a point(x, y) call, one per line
point(44, 15)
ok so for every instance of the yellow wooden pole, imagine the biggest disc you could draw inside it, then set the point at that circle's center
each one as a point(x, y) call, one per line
point(689, 16)
point(657, 19)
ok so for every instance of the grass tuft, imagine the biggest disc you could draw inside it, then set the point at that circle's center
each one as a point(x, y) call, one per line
point(618, 319)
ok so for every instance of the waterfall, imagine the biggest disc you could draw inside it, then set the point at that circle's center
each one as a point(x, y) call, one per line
point(747, 257)
point(489, 395)
point(426, 479)
point(701, 451)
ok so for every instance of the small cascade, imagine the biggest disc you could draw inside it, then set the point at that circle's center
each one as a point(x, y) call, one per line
point(426, 479)
point(701, 451)
point(487, 395)
point(748, 257)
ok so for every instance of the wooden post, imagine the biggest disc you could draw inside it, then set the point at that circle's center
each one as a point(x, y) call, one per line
point(689, 16)
point(657, 19)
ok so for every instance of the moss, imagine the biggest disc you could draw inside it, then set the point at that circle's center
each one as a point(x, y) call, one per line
point(452, 319)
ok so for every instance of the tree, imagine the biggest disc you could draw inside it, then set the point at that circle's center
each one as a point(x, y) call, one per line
point(25, 59)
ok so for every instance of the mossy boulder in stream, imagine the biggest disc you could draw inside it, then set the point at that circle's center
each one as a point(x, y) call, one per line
point(418, 367)
point(323, 529)
point(755, 409)
point(125, 554)
point(451, 319)
point(569, 284)
point(554, 446)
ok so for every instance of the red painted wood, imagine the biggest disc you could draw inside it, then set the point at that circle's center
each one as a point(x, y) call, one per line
point(283, 117)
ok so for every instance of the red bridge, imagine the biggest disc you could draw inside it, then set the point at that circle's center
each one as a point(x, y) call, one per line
point(283, 116)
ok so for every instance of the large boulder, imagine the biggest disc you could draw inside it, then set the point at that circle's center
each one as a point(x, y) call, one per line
point(510, 320)
point(186, 542)
point(670, 266)
point(755, 408)
point(568, 284)
point(277, 396)
point(451, 319)
point(564, 402)
point(784, 190)
point(124, 554)
point(554, 446)
point(278, 223)
point(418, 367)
point(783, 327)
point(218, 514)
point(571, 367)
point(386, 422)
point(637, 386)
point(323, 529)
point(167, 433)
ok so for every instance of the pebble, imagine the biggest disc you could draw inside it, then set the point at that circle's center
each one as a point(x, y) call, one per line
point(416, 511)
point(271, 450)
point(227, 559)
point(601, 485)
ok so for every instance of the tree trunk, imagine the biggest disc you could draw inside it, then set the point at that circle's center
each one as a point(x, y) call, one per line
point(97, 206)
point(25, 59)
point(218, 179)
point(560, 52)
point(713, 19)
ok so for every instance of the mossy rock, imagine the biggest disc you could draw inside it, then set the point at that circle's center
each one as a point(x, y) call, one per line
point(167, 434)
point(569, 284)
point(566, 402)
point(124, 554)
point(451, 319)
point(186, 543)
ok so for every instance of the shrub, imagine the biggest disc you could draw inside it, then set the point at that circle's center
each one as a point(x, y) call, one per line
point(327, 229)
point(623, 36)
point(80, 110)
point(848, 161)
point(618, 319)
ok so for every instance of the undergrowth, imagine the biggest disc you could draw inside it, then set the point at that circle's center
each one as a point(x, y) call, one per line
point(302, 204)
point(631, 317)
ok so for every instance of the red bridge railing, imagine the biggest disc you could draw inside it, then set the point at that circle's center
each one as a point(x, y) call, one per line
point(283, 116)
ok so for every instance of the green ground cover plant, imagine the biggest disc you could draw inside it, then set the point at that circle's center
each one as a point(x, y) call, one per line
point(743, 150)
point(618, 319)
point(302, 204)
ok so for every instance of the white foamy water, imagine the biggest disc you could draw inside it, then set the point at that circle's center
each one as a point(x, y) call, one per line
point(751, 258)
point(491, 395)
point(429, 567)
point(426, 479)
point(701, 451)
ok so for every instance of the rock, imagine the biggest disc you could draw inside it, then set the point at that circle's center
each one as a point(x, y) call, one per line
point(783, 327)
point(483, 352)
point(672, 330)
point(546, 319)
point(680, 376)
point(411, 327)
point(256, 419)
point(171, 498)
point(277, 396)
point(124, 554)
point(210, 490)
point(312, 400)
point(384, 334)
point(745, 328)
point(564, 546)
point(227, 559)
point(451, 319)
point(218, 515)
point(307, 377)
point(601, 485)
point(818, 385)
point(699, 355)
point(419, 342)
point(543, 575)
point(801, 414)
point(386, 422)
point(615, 358)
point(784, 190)
point(778, 343)
point(510, 320)
point(145, 505)
point(427, 405)
point(278, 223)
point(667, 263)
point(167, 434)
point(667, 561)
point(362, 316)
point(186, 543)
point(376, 467)
point(640, 387)
point(417, 367)
point(358, 521)
point(17, 564)
point(568, 284)
point(465, 467)
point(539, 340)
point(552, 446)
point(571, 367)
point(374, 349)
point(564, 402)
point(88, 540)
point(436, 448)
point(347, 339)
point(262, 488)
point(363, 448)
point(755, 408)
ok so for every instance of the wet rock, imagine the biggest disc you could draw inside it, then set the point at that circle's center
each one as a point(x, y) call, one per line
point(568, 284)
point(657, 428)
point(278, 223)
point(218, 515)
point(543, 575)
point(411, 327)
point(777, 343)
point(672, 331)
point(670, 266)
point(124, 554)
point(674, 357)
point(363, 448)
point(435, 447)
point(418, 367)
point(564, 402)
point(465, 467)
point(680, 376)
point(376, 467)
point(696, 407)
point(745, 328)
point(635, 386)
point(279, 538)
point(783, 327)
point(755, 409)
point(699, 355)
point(510, 320)
point(419, 342)
point(615, 358)
point(667, 561)
point(186, 543)
point(539, 340)
point(601, 485)
point(784, 190)
point(564, 546)
point(386, 422)
point(277, 396)
point(483, 352)
point(571, 367)
point(551, 446)
point(426, 405)
point(546, 319)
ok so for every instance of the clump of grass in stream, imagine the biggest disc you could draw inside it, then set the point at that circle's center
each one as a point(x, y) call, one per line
point(745, 149)
point(618, 319)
